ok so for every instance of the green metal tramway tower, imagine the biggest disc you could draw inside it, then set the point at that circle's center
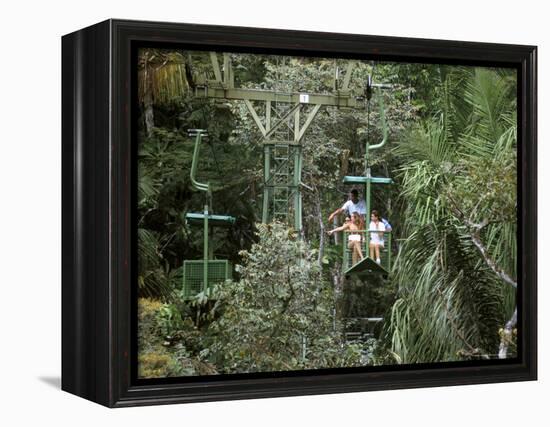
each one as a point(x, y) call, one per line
point(282, 117)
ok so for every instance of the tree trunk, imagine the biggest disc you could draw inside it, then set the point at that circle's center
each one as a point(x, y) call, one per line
point(344, 162)
point(321, 229)
point(148, 98)
point(506, 335)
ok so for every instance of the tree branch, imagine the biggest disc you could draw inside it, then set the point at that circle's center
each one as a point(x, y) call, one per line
point(474, 235)
point(506, 335)
point(474, 230)
point(321, 229)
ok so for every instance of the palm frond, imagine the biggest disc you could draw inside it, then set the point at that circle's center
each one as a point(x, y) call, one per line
point(451, 304)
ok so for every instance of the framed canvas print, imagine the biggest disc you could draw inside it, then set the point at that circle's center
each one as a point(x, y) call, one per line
point(259, 213)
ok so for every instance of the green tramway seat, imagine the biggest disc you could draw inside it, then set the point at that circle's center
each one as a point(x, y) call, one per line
point(364, 179)
point(219, 270)
point(367, 265)
point(214, 220)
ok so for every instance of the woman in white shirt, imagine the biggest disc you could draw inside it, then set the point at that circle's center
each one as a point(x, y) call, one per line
point(376, 231)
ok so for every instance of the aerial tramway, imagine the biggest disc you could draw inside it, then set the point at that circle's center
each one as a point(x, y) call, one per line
point(282, 118)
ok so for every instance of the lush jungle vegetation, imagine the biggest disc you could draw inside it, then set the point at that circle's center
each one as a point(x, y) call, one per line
point(451, 152)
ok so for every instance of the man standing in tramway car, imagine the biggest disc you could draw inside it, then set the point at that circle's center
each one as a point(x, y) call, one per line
point(351, 206)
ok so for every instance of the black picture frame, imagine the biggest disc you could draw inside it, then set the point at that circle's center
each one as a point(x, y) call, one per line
point(98, 257)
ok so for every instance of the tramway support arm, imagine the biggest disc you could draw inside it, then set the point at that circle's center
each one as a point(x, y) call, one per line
point(384, 126)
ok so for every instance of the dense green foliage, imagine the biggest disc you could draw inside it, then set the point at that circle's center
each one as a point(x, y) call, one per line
point(285, 323)
point(452, 155)
point(279, 315)
point(458, 177)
